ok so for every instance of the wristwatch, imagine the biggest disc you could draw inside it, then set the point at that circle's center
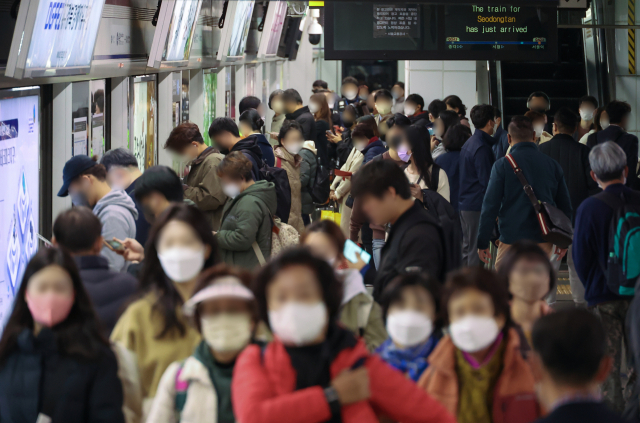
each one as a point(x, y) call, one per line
point(334, 402)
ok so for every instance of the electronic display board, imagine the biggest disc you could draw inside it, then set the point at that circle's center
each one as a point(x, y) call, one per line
point(272, 31)
point(20, 193)
point(236, 30)
point(174, 33)
point(144, 106)
point(60, 35)
point(428, 31)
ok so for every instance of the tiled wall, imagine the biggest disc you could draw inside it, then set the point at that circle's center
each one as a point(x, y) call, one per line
point(627, 86)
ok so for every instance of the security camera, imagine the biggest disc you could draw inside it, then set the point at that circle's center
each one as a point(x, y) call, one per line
point(315, 29)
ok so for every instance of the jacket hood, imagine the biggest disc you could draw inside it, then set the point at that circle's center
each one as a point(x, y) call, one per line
point(284, 154)
point(298, 113)
point(116, 198)
point(206, 153)
point(251, 144)
point(260, 139)
point(311, 146)
point(376, 143)
point(265, 192)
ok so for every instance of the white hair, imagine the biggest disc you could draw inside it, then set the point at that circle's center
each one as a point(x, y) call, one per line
point(608, 161)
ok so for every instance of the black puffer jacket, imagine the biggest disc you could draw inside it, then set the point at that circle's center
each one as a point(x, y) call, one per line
point(308, 123)
point(81, 390)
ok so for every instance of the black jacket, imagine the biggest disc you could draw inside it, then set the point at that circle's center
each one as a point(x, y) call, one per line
point(628, 142)
point(142, 226)
point(415, 240)
point(304, 117)
point(573, 157)
point(421, 120)
point(322, 144)
point(79, 390)
point(582, 412)
point(343, 148)
point(109, 291)
point(250, 148)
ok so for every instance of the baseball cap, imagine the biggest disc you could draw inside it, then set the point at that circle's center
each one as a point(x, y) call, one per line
point(73, 168)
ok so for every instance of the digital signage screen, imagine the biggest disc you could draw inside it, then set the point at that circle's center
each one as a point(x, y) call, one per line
point(144, 120)
point(272, 31)
point(174, 35)
point(428, 31)
point(20, 193)
point(60, 35)
point(236, 29)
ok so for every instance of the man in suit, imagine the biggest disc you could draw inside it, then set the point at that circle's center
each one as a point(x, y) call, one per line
point(569, 362)
point(619, 112)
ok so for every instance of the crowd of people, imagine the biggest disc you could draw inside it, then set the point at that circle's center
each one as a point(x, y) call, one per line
point(427, 295)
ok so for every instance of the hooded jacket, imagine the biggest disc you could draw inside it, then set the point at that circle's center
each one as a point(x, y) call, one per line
point(306, 120)
point(117, 213)
point(205, 189)
point(250, 148)
point(308, 168)
point(292, 164)
point(265, 148)
point(247, 219)
point(373, 149)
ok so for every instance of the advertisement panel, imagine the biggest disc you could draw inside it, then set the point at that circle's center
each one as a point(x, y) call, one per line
point(144, 121)
point(181, 30)
point(20, 193)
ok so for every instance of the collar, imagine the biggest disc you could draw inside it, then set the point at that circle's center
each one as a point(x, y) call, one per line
point(404, 216)
point(353, 284)
point(563, 137)
point(582, 397)
point(131, 187)
point(499, 132)
point(488, 139)
point(193, 369)
point(615, 188)
point(298, 113)
point(372, 140)
point(91, 262)
point(524, 146)
point(208, 151)
point(472, 361)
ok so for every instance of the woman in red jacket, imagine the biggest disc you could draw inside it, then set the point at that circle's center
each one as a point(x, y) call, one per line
point(316, 371)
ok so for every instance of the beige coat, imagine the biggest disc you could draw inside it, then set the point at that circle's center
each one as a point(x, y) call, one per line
point(291, 164)
point(205, 189)
point(342, 188)
point(202, 399)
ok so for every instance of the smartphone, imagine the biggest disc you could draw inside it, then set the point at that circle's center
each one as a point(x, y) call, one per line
point(350, 250)
point(114, 245)
point(329, 133)
point(432, 132)
point(46, 242)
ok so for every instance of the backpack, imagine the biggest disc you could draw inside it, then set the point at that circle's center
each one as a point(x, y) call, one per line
point(181, 388)
point(623, 262)
point(283, 236)
point(280, 179)
point(321, 184)
point(449, 221)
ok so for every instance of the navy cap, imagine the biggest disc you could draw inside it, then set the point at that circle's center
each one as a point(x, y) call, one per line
point(73, 168)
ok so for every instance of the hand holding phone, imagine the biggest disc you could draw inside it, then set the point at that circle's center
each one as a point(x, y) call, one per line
point(115, 246)
point(356, 255)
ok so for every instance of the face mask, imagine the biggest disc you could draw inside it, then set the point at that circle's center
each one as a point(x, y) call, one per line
point(439, 133)
point(298, 323)
point(314, 107)
point(350, 95)
point(293, 147)
point(409, 328)
point(347, 123)
point(474, 333)
point(79, 199)
point(409, 111)
point(49, 309)
point(383, 109)
point(539, 129)
point(231, 190)
point(396, 95)
point(604, 123)
point(404, 154)
point(277, 106)
point(226, 332)
point(181, 264)
point(586, 114)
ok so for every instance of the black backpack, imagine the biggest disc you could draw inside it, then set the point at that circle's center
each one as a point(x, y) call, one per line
point(623, 262)
point(321, 184)
point(280, 179)
point(449, 221)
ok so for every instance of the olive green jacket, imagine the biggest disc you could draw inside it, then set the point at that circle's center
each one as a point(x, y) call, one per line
point(247, 219)
point(204, 187)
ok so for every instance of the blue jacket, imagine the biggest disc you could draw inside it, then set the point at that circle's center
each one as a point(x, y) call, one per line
point(267, 150)
point(507, 200)
point(502, 143)
point(373, 149)
point(591, 244)
point(450, 163)
point(476, 159)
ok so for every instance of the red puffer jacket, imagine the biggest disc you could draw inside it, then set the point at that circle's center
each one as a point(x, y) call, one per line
point(263, 391)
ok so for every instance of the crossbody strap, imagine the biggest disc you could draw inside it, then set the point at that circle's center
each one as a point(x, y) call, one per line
point(528, 189)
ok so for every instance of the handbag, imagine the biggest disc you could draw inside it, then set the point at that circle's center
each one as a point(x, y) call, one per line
point(556, 227)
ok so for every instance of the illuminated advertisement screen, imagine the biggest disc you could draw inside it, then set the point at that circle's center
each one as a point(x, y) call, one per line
point(240, 30)
point(20, 193)
point(181, 30)
point(64, 33)
point(144, 141)
point(276, 29)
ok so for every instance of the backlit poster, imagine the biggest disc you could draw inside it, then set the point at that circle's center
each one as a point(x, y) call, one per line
point(144, 121)
point(276, 29)
point(97, 117)
point(210, 87)
point(240, 30)
point(20, 193)
point(181, 31)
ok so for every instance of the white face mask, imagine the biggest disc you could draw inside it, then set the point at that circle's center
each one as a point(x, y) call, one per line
point(293, 147)
point(409, 327)
point(350, 95)
point(277, 106)
point(231, 190)
point(495, 128)
point(604, 123)
point(539, 129)
point(298, 323)
point(226, 332)
point(586, 114)
point(314, 107)
point(383, 109)
point(409, 111)
point(181, 264)
point(474, 333)
point(360, 145)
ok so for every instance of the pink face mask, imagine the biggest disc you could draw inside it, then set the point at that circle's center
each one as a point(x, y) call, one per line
point(49, 309)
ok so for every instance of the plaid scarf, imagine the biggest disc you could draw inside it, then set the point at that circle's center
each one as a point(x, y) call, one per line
point(410, 361)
